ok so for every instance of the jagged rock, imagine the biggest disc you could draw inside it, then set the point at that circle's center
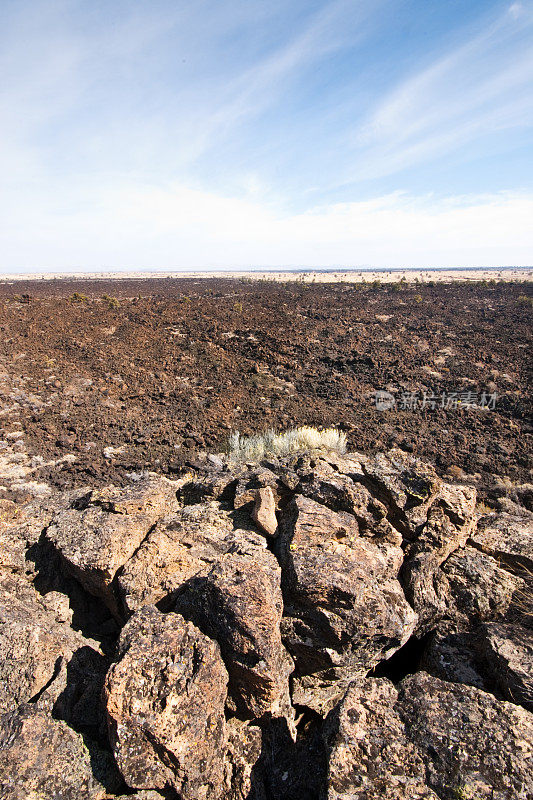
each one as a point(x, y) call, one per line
point(41, 758)
point(454, 656)
point(165, 699)
point(508, 538)
point(96, 538)
point(508, 653)
point(344, 608)
point(369, 752)
point(243, 771)
point(341, 493)
point(239, 604)
point(264, 511)
point(478, 588)
point(429, 739)
point(406, 485)
point(249, 483)
point(179, 547)
point(471, 742)
point(21, 526)
point(33, 645)
point(449, 522)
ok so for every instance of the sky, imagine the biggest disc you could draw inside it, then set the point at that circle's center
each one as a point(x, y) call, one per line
point(201, 134)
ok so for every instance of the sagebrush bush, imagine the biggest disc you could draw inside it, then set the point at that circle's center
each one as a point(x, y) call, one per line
point(297, 440)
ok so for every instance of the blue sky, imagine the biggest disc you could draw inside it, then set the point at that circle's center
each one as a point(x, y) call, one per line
point(240, 133)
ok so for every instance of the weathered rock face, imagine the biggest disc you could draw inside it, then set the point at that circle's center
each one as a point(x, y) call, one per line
point(370, 754)
point(41, 758)
point(243, 774)
point(345, 610)
point(181, 546)
point(508, 538)
point(432, 739)
point(239, 604)
point(471, 742)
point(406, 485)
point(102, 532)
point(34, 647)
point(165, 699)
point(449, 521)
point(508, 652)
point(478, 588)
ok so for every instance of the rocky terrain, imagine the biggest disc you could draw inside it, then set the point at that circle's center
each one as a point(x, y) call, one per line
point(316, 627)
point(99, 379)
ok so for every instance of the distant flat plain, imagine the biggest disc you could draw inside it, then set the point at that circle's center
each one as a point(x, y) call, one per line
point(304, 275)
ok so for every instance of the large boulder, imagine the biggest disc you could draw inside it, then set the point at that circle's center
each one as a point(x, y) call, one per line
point(102, 531)
point(427, 739)
point(179, 547)
point(471, 742)
point(345, 610)
point(369, 752)
point(240, 605)
point(42, 758)
point(165, 699)
point(34, 647)
point(508, 654)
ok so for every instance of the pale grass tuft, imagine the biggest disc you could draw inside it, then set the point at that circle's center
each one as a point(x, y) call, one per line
point(297, 440)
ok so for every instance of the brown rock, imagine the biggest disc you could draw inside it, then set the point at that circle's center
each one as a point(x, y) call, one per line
point(341, 493)
point(454, 656)
point(179, 547)
point(508, 538)
point(243, 778)
point(471, 742)
point(478, 588)
point(96, 540)
point(239, 604)
point(429, 739)
point(248, 484)
point(449, 522)
point(33, 645)
point(369, 752)
point(165, 700)
point(406, 485)
point(508, 654)
point(41, 758)
point(344, 608)
point(264, 511)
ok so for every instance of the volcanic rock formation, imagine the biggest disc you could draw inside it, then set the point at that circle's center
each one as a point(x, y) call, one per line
point(317, 626)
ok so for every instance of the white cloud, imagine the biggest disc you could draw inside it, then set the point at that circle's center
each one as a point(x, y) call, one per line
point(180, 227)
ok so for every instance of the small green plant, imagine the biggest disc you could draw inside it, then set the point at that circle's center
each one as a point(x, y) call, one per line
point(525, 300)
point(238, 307)
point(464, 792)
point(418, 298)
point(396, 287)
point(296, 440)
point(78, 298)
point(111, 302)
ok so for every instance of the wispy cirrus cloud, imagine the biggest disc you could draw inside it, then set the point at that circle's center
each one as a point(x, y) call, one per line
point(481, 87)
